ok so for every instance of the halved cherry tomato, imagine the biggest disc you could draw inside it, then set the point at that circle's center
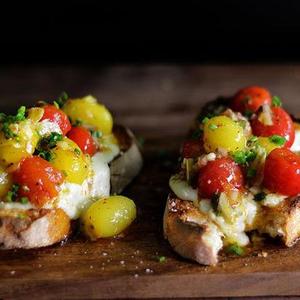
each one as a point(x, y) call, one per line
point(38, 180)
point(57, 116)
point(250, 99)
point(282, 125)
point(282, 172)
point(220, 175)
point(83, 138)
point(192, 148)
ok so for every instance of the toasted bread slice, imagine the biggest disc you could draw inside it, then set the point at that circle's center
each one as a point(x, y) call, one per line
point(190, 233)
point(34, 228)
point(282, 220)
point(128, 164)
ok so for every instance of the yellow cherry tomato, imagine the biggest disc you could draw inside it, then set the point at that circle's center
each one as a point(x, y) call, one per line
point(223, 133)
point(12, 150)
point(108, 217)
point(91, 113)
point(267, 144)
point(5, 182)
point(68, 158)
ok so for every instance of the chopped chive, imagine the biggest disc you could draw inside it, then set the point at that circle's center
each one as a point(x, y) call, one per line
point(243, 157)
point(55, 104)
point(235, 249)
point(212, 126)
point(24, 200)
point(77, 151)
point(276, 101)
point(251, 173)
point(248, 113)
point(205, 120)
point(161, 259)
point(253, 139)
point(7, 120)
point(61, 100)
point(277, 139)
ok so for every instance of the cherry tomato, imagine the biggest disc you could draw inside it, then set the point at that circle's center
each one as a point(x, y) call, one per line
point(57, 116)
point(220, 175)
point(83, 138)
point(38, 180)
point(250, 99)
point(282, 125)
point(282, 172)
point(192, 148)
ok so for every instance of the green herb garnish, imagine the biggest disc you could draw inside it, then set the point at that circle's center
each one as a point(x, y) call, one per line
point(96, 133)
point(12, 193)
point(196, 134)
point(248, 113)
point(46, 144)
point(276, 101)
point(235, 249)
point(277, 139)
point(212, 126)
point(260, 196)
point(77, 123)
point(243, 157)
point(253, 139)
point(205, 120)
point(24, 200)
point(77, 151)
point(161, 259)
point(7, 120)
point(251, 173)
point(61, 100)
point(55, 104)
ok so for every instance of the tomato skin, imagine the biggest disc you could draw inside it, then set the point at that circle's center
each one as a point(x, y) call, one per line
point(83, 138)
point(282, 172)
point(39, 178)
point(250, 98)
point(192, 148)
point(220, 175)
point(282, 125)
point(57, 116)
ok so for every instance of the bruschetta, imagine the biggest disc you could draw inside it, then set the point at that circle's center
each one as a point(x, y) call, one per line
point(56, 160)
point(239, 174)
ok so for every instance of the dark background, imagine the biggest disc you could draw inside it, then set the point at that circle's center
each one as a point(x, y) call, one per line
point(106, 32)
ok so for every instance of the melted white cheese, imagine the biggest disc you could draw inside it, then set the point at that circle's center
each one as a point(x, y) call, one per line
point(45, 127)
point(296, 145)
point(182, 189)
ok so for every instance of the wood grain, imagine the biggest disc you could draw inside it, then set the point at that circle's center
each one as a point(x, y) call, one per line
point(158, 103)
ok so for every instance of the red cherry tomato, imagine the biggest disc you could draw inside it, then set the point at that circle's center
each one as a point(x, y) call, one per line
point(282, 172)
point(38, 180)
point(83, 138)
point(57, 116)
point(250, 98)
point(220, 175)
point(192, 149)
point(282, 125)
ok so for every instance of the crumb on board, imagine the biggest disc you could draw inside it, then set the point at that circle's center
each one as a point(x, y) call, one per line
point(262, 254)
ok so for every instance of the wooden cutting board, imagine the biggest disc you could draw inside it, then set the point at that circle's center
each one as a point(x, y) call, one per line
point(141, 264)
